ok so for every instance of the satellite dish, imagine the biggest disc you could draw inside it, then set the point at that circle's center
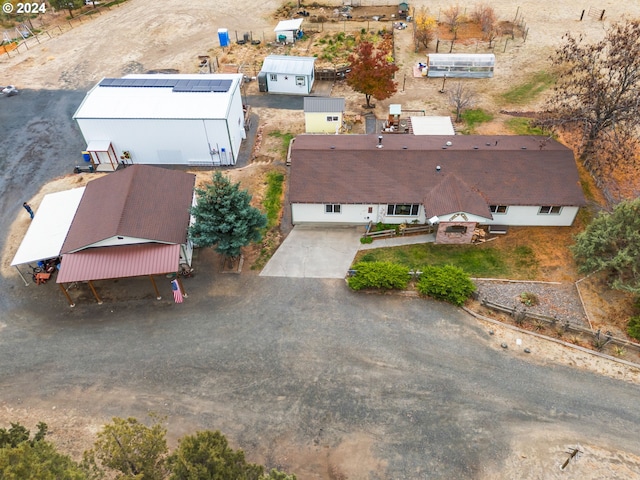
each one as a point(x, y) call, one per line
point(433, 220)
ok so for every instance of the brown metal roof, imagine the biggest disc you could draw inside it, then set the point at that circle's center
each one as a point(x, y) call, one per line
point(452, 195)
point(504, 170)
point(140, 201)
point(119, 262)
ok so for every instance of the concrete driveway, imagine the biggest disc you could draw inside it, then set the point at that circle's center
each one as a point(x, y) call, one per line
point(314, 253)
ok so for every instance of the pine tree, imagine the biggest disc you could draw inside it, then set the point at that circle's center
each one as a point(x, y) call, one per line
point(224, 217)
point(611, 243)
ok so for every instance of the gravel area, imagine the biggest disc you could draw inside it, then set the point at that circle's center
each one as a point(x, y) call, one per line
point(560, 300)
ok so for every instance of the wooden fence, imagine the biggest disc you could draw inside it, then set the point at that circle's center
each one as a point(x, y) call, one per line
point(599, 340)
point(400, 231)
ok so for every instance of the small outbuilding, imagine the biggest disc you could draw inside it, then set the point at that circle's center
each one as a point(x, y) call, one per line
point(323, 114)
point(163, 119)
point(287, 74)
point(288, 31)
point(461, 65)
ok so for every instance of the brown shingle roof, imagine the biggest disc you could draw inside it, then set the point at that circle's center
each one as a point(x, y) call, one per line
point(139, 201)
point(505, 170)
point(452, 195)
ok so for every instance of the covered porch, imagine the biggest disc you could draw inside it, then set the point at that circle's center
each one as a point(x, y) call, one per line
point(102, 156)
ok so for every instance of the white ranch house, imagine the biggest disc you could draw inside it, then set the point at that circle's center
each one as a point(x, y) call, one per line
point(163, 119)
point(457, 180)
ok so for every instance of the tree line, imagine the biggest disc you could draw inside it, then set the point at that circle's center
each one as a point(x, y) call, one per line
point(127, 449)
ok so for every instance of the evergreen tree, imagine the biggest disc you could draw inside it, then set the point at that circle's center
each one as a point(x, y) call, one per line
point(224, 217)
point(207, 456)
point(132, 448)
point(40, 460)
point(611, 243)
point(24, 457)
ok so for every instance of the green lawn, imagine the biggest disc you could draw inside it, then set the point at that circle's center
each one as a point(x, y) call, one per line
point(477, 260)
point(522, 126)
point(474, 117)
point(528, 91)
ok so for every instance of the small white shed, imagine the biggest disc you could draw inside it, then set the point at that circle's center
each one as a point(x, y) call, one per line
point(287, 31)
point(287, 74)
point(163, 119)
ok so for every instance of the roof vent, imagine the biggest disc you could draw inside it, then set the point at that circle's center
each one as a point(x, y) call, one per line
point(523, 148)
point(405, 147)
point(379, 141)
point(475, 147)
point(488, 144)
point(332, 147)
point(444, 147)
point(437, 168)
point(449, 143)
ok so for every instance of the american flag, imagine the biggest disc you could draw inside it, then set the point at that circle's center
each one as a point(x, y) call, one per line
point(177, 294)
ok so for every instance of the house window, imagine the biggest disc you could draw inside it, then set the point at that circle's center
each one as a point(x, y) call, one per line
point(300, 81)
point(456, 229)
point(402, 209)
point(332, 208)
point(273, 77)
point(331, 118)
point(550, 210)
point(498, 208)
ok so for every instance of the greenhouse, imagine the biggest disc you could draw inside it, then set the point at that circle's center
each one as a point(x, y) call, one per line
point(460, 65)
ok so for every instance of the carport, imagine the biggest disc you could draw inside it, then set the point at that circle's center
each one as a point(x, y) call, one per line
point(315, 252)
point(123, 261)
point(48, 229)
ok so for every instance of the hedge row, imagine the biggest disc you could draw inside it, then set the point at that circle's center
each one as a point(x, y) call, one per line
point(448, 283)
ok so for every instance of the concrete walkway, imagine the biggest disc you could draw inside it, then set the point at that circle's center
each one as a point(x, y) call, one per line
point(309, 252)
point(396, 241)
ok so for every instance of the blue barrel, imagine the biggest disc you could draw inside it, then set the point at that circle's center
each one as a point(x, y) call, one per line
point(223, 37)
point(86, 156)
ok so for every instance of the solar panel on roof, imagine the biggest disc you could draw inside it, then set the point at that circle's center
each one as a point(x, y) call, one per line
point(193, 85)
point(219, 86)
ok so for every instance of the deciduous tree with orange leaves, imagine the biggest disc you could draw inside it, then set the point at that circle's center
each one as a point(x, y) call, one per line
point(372, 72)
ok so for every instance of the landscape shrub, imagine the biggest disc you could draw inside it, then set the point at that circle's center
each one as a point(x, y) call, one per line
point(633, 327)
point(448, 283)
point(379, 275)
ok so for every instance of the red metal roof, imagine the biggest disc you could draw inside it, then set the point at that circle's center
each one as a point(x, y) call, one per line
point(119, 262)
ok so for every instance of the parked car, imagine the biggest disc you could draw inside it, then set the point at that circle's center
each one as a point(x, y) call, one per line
point(9, 90)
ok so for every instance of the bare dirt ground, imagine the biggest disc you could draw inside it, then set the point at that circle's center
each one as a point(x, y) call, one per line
point(142, 35)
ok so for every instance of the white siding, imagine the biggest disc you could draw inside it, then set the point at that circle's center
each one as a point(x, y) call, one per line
point(355, 214)
point(165, 142)
point(529, 216)
point(352, 214)
point(286, 83)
